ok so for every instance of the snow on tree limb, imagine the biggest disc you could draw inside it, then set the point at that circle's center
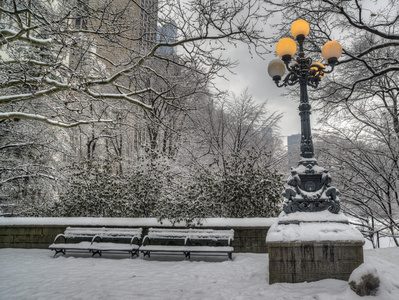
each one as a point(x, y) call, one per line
point(27, 176)
point(16, 145)
point(28, 96)
point(30, 61)
point(20, 115)
point(12, 35)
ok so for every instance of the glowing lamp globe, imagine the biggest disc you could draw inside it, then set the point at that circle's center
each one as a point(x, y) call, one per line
point(286, 47)
point(300, 27)
point(276, 69)
point(331, 51)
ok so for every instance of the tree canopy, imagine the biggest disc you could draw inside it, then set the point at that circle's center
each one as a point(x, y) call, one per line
point(58, 55)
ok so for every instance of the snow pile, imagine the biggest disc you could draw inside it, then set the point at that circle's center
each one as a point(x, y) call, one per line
point(386, 262)
point(362, 270)
point(364, 281)
point(34, 274)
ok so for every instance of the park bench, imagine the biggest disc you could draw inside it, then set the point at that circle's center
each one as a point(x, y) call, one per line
point(97, 240)
point(188, 241)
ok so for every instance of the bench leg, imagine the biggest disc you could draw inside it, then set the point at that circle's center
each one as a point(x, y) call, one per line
point(95, 252)
point(146, 253)
point(187, 254)
point(58, 251)
point(135, 253)
point(230, 254)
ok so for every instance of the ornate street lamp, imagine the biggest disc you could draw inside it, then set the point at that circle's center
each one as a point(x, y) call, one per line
point(310, 188)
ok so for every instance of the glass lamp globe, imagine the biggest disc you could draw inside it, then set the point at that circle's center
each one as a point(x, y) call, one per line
point(331, 51)
point(300, 27)
point(276, 68)
point(286, 47)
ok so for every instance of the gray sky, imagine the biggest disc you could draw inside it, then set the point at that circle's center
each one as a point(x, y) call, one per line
point(252, 73)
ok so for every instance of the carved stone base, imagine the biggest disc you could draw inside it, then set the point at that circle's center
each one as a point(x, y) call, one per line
point(313, 246)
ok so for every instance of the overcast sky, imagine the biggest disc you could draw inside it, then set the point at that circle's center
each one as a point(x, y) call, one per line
point(252, 73)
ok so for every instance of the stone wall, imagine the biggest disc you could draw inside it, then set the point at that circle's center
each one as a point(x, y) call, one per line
point(246, 238)
point(299, 262)
point(26, 236)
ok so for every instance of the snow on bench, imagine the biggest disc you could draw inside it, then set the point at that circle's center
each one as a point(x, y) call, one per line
point(188, 241)
point(96, 240)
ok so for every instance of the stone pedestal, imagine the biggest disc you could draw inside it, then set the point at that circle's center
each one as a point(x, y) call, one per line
point(310, 246)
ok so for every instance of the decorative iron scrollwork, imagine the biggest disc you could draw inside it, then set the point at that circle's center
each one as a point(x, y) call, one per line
point(309, 189)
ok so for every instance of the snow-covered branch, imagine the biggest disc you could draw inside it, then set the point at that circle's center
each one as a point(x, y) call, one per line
point(371, 77)
point(10, 36)
point(76, 47)
point(35, 117)
point(123, 96)
point(16, 145)
point(359, 24)
point(27, 176)
point(28, 96)
point(25, 61)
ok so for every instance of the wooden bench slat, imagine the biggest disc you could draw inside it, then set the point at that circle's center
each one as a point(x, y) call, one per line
point(174, 248)
point(95, 234)
point(94, 246)
point(77, 246)
point(103, 232)
point(189, 234)
point(163, 248)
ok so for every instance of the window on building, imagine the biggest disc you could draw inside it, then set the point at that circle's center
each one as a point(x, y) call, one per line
point(81, 15)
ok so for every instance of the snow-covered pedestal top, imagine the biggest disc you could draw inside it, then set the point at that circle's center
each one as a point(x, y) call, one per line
point(313, 227)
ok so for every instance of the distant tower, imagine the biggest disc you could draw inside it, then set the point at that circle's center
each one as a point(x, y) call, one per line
point(134, 24)
point(267, 132)
point(293, 147)
point(148, 23)
point(167, 34)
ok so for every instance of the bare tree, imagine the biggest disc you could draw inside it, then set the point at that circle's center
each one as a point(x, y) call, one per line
point(365, 162)
point(98, 48)
point(234, 125)
point(29, 173)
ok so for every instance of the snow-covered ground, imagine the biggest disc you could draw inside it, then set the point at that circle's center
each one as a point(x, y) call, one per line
point(35, 274)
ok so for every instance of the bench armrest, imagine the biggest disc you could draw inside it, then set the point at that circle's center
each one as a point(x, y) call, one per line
point(145, 239)
point(97, 236)
point(59, 236)
point(134, 238)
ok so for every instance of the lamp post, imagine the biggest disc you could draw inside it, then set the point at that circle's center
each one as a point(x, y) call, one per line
point(310, 188)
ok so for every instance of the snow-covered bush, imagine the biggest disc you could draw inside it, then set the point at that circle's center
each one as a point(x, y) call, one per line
point(244, 188)
point(94, 189)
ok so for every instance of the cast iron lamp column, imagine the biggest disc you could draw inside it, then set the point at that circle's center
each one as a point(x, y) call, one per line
point(310, 188)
